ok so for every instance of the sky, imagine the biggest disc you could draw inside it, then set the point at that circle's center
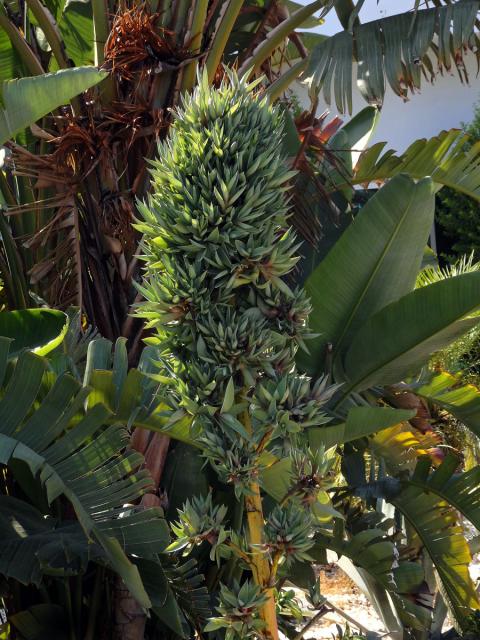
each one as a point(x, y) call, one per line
point(370, 11)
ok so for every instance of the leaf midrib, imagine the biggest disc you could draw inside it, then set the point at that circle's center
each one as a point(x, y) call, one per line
point(404, 352)
point(372, 276)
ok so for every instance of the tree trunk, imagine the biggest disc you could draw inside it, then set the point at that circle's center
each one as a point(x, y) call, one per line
point(130, 618)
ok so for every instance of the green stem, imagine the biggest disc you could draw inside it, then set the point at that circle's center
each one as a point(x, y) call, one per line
point(277, 35)
point(181, 11)
point(196, 31)
point(20, 44)
point(101, 29)
point(19, 290)
point(228, 16)
point(50, 29)
point(69, 607)
point(8, 285)
point(282, 83)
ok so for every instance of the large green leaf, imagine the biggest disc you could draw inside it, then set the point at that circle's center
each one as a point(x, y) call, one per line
point(181, 486)
point(461, 490)
point(44, 425)
point(393, 50)
point(38, 330)
point(10, 62)
point(276, 478)
point(76, 27)
point(350, 141)
point(177, 592)
point(399, 447)
point(361, 422)
point(26, 100)
point(375, 262)
point(400, 338)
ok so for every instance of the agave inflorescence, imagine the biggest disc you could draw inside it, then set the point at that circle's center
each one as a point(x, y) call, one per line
point(217, 249)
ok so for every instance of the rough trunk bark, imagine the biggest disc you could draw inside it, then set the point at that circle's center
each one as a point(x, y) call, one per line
point(130, 618)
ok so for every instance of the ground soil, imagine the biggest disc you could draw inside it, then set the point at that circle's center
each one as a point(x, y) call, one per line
point(344, 594)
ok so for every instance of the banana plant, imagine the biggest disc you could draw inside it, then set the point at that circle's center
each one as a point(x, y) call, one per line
point(375, 329)
point(357, 294)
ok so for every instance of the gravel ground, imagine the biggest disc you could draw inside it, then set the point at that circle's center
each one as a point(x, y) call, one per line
point(342, 593)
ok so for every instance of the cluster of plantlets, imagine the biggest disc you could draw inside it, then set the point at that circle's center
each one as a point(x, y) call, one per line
point(217, 249)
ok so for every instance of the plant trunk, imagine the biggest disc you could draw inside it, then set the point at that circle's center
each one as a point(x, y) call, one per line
point(130, 618)
point(262, 573)
point(260, 564)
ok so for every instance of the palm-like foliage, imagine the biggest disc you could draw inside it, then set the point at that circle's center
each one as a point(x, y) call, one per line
point(442, 157)
point(81, 463)
point(78, 491)
point(355, 300)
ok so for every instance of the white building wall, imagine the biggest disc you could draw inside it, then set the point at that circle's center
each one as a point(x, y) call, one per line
point(444, 105)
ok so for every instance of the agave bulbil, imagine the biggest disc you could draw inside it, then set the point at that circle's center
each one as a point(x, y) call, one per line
point(218, 248)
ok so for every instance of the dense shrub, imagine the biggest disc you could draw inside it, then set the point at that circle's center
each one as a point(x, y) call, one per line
point(458, 215)
point(458, 220)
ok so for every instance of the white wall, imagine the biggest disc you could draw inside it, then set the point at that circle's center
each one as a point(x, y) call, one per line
point(444, 105)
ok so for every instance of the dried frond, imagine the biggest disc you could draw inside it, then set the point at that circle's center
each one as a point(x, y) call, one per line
point(131, 121)
point(137, 44)
point(317, 131)
point(82, 146)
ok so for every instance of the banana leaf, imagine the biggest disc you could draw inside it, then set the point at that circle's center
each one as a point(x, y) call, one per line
point(26, 100)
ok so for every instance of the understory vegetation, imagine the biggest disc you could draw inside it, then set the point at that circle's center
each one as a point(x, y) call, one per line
point(225, 360)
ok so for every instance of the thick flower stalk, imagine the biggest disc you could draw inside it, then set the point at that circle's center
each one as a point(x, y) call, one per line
point(217, 249)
